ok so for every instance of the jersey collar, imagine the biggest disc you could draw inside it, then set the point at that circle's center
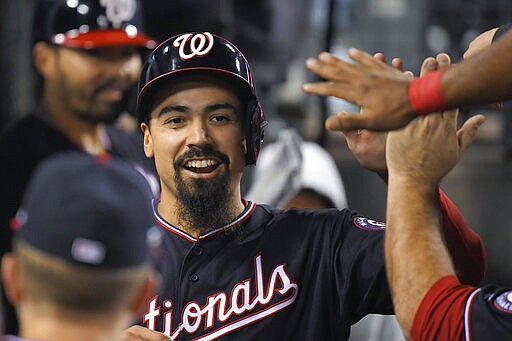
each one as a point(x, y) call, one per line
point(249, 209)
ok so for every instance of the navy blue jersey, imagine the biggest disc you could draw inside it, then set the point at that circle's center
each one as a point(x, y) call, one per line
point(453, 311)
point(490, 314)
point(28, 142)
point(271, 275)
point(32, 139)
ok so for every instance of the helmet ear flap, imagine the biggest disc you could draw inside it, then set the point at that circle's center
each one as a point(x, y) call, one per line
point(254, 127)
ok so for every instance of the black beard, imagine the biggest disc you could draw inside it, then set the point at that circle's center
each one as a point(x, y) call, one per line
point(112, 115)
point(90, 114)
point(203, 204)
point(108, 118)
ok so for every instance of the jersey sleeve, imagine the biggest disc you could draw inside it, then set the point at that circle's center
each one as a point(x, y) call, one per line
point(453, 311)
point(440, 314)
point(359, 268)
point(466, 247)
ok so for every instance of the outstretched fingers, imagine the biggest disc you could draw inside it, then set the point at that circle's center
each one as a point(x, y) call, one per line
point(397, 63)
point(443, 62)
point(330, 88)
point(344, 121)
point(331, 67)
point(365, 59)
point(428, 65)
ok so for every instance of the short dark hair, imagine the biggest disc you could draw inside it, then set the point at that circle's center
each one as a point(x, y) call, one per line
point(74, 288)
point(226, 80)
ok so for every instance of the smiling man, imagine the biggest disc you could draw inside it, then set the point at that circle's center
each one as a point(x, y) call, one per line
point(203, 117)
point(232, 269)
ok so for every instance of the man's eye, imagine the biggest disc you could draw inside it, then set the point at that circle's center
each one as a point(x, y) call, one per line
point(174, 121)
point(220, 118)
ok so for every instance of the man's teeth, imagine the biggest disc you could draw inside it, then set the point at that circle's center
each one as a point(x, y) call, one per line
point(200, 163)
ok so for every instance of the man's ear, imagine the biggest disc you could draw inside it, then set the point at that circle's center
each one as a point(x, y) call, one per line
point(146, 293)
point(244, 145)
point(44, 56)
point(11, 278)
point(148, 140)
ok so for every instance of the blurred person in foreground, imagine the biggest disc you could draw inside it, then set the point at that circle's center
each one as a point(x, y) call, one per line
point(87, 55)
point(80, 265)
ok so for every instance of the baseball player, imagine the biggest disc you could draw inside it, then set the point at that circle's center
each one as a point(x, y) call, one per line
point(232, 269)
point(432, 304)
point(485, 78)
point(80, 268)
point(88, 54)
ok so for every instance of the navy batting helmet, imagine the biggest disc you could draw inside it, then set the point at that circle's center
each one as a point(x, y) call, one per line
point(204, 53)
point(90, 23)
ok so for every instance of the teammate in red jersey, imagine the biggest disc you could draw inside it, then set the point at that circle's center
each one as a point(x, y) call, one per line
point(431, 303)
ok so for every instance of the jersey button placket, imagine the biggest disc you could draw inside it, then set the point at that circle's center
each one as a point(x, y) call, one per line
point(197, 250)
point(193, 277)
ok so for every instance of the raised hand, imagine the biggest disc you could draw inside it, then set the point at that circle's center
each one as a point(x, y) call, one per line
point(369, 147)
point(370, 83)
point(430, 146)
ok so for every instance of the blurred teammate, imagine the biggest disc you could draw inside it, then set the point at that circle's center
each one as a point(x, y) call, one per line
point(80, 265)
point(88, 55)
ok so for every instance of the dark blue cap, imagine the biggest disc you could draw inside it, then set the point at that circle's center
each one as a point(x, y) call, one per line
point(91, 211)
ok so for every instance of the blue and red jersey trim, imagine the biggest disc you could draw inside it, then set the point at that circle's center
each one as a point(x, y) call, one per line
point(249, 209)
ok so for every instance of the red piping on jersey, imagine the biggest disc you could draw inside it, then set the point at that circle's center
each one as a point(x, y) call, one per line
point(249, 209)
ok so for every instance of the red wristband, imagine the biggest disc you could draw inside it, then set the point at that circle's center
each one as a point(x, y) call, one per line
point(426, 93)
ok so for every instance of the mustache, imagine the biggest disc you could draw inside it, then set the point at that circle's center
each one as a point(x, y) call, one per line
point(122, 84)
point(200, 152)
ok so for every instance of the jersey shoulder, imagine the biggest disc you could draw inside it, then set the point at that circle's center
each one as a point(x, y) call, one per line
point(30, 139)
point(491, 314)
point(330, 223)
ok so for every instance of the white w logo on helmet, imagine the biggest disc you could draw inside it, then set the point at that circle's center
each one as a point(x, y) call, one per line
point(118, 11)
point(198, 44)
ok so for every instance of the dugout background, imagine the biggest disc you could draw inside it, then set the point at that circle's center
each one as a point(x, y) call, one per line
point(277, 36)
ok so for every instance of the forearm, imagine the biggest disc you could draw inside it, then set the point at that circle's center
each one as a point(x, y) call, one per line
point(416, 256)
point(484, 78)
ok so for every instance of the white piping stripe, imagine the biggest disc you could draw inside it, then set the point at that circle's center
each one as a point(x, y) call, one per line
point(247, 212)
point(250, 207)
point(248, 320)
point(467, 308)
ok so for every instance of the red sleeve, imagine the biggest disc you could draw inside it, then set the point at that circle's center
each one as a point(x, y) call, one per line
point(466, 248)
point(440, 315)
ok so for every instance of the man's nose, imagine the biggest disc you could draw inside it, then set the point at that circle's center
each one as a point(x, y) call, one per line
point(130, 68)
point(199, 135)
